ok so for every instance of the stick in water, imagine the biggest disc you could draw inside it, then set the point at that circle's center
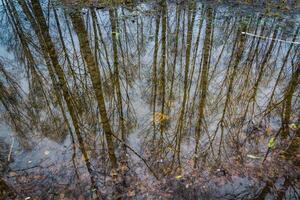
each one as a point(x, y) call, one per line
point(268, 38)
point(10, 150)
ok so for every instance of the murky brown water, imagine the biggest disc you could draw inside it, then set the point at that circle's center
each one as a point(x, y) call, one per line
point(156, 100)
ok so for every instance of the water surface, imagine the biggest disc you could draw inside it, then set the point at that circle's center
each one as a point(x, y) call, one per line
point(167, 100)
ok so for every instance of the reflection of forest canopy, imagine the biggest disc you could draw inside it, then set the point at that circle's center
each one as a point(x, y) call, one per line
point(244, 65)
point(202, 80)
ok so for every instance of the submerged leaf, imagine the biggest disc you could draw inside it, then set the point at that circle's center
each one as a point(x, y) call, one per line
point(159, 117)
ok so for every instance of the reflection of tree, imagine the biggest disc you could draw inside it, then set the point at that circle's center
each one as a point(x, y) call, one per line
point(208, 81)
point(203, 80)
point(154, 72)
point(113, 18)
point(162, 69)
point(11, 99)
point(181, 121)
point(288, 96)
point(96, 81)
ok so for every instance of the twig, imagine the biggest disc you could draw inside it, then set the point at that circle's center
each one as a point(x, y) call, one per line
point(25, 169)
point(10, 150)
point(137, 154)
point(268, 38)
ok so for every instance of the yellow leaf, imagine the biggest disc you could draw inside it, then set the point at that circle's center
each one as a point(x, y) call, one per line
point(178, 177)
point(271, 143)
point(159, 117)
point(169, 103)
point(293, 126)
point(170, 148)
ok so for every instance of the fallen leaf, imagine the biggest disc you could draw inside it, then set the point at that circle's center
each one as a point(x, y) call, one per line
point(159, 117)
point(293, 126)
point(253, 157)
point(13, 174)
point(178, 177)
point(271, 143)
point(113, 173)
point(62, 196)
point(124, 168)
point(131, 193)
point(169, 103)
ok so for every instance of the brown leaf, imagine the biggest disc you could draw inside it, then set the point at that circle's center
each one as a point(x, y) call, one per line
point(131, 193)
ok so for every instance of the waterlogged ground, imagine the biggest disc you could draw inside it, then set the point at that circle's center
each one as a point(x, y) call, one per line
point(153, 100)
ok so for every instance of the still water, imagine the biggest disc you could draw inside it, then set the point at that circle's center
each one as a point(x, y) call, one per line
point(155, 100)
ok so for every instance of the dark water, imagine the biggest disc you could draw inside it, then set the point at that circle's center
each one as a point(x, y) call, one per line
point(156, 100)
